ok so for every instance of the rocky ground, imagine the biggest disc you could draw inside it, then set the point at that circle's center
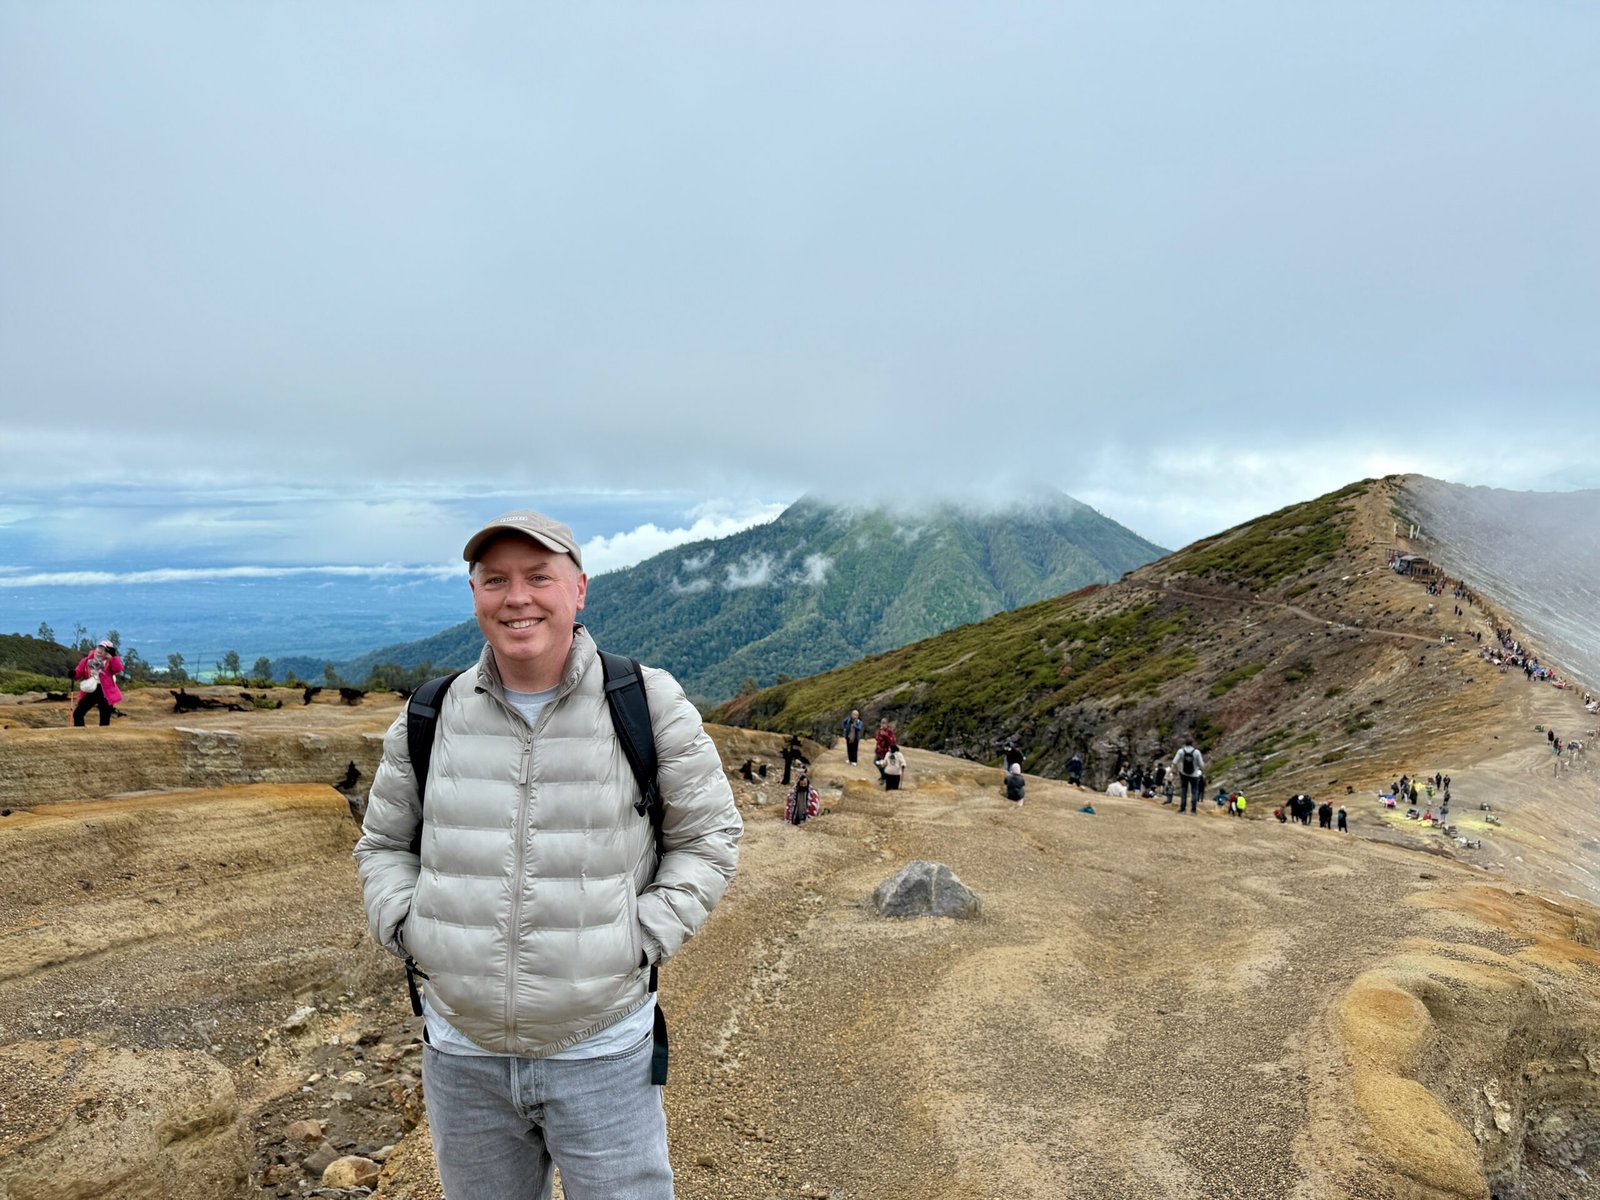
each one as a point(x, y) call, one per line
point(1150, 1005)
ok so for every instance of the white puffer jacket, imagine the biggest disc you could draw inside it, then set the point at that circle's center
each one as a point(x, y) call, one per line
point(538, 890)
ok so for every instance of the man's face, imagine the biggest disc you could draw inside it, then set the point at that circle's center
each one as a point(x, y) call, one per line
point(526, 598)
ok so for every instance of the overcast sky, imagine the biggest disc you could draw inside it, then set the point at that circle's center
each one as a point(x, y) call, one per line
point(332, 282)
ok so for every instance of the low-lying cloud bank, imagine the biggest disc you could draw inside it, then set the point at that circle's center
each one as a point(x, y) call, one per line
point(213, 574)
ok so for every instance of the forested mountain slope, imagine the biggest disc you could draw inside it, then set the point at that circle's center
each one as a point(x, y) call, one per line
point(822, 585)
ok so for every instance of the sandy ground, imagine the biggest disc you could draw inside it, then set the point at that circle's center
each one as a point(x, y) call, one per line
point(1151, 1005)
point(1140, 1011)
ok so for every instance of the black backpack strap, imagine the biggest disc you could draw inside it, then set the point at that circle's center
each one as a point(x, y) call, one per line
point(630, 716)
point(422, 723)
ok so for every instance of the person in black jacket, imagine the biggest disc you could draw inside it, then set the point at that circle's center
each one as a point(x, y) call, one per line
point(793, 754)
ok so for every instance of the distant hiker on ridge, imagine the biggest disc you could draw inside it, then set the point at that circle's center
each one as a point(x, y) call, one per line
point(1190, 765)
point(1075, 769)
point(532, 876)
point(1013, 756)
point(851, 728)
point(96, 678)
point(1016, 785)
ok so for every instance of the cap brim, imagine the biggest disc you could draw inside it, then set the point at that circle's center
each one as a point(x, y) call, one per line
point(484, 536)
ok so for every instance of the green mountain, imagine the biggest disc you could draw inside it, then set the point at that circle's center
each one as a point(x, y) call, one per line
point(1280, 645)
point(822, 585)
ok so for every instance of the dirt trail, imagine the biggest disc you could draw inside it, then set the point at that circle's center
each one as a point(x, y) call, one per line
point(1228, 596)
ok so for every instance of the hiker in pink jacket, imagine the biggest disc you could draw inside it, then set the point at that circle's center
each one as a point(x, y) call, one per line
point(96, 677)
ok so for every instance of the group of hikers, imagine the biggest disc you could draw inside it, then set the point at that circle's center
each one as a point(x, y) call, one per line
point(1415, 790)
point(886, 755)
point(1418, 795)
point(1184, 778)
point(1511, 653)
point(802, 802)
point(1300, 807)
point(1558, 745)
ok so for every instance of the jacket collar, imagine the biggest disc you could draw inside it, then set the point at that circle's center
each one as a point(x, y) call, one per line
point(579, 659)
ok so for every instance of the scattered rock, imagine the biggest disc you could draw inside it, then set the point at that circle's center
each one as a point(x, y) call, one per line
point(351, 1171)
point(278, 1173)
point(320, 1159)
point(922, 889)
point(299, 1017)
point(307, 1132)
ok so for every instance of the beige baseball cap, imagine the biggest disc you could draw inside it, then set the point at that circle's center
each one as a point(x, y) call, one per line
point(552, 535)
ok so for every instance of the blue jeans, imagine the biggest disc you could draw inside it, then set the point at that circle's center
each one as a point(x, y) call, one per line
point(1191, 784)
point(500, 1126)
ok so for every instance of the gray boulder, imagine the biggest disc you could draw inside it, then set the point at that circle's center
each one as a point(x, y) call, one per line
point(925, 889)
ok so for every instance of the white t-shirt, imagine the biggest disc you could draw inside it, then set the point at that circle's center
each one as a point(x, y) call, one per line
point(624, 1035)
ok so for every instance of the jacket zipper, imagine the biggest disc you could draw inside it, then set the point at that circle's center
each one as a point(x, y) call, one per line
point(519, 865)
point(519, 860)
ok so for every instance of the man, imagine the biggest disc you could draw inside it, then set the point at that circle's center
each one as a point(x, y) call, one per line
point(851, 728)
point(1013, 756)
point(1075, 769)
point(1190, 765)
point(535, 904)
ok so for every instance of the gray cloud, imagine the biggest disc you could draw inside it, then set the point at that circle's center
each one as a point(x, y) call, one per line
point(1187, 264)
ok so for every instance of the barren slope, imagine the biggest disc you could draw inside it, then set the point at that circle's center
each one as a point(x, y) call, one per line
point(1150, 1006)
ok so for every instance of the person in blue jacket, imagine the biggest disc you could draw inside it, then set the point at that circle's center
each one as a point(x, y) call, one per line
point(851, 728)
